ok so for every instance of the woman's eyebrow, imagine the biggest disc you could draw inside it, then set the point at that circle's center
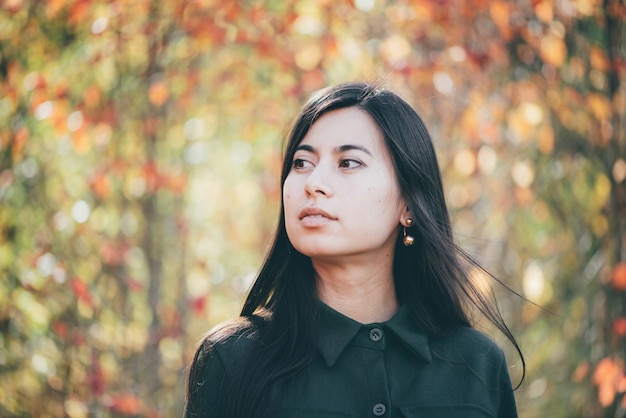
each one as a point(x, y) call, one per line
point(350, 147)
point(307, 148)
point(337, 150)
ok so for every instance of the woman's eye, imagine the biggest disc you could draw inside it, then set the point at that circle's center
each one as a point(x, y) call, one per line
point(347, 163)
point(299, 163)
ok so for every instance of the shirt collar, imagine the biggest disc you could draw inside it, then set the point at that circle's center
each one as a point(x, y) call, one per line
point(338, 330)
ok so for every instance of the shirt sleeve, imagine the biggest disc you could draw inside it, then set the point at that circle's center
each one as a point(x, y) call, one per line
point(206, 377)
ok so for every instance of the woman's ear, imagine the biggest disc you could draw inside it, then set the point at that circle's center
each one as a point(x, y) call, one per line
point(405, 216)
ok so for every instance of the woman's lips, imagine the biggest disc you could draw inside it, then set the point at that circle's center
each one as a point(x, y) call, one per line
point(312, 216)
point(314, 220)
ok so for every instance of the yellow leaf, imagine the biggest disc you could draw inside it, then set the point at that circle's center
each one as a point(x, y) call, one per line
point(600, 106)
point(395, 49)
point(585, 7)
point(309, 57)
point(81, 141)
point(546, 139)
point(553, 50)
point(544, 10)
point(499, 12)
point(598, 59)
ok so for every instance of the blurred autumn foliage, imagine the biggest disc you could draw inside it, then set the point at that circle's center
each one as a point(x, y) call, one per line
point(140, 144)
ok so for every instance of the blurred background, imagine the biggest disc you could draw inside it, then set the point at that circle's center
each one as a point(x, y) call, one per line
point(140, 148)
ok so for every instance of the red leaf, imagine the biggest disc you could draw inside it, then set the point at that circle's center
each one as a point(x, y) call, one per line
point(96, 378)
point(112, 254)
point(198, 305)
point(152, 176)
point(134, 285)
point(60, 329)
point(81, 290)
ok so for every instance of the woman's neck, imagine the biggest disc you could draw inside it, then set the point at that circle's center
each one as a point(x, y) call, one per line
point(361, 292)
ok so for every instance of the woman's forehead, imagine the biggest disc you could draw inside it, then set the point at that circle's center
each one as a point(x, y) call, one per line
point(349, 125)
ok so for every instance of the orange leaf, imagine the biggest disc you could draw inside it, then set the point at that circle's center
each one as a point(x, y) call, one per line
point(126, 404)
point(19, 140)
point(53, 7)
point(101, 185)
point(618, 277)
point(609, 378)
point(92, 96)
point(620, 385)
point(580, 372)
point(78, 12)
point(176, 182)
point(158, 93)
point(606, 371)
point(606, 395)
point(619, 326)
point(500, 13)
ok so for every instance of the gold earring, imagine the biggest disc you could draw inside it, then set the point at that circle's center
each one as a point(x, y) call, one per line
point(408, 240)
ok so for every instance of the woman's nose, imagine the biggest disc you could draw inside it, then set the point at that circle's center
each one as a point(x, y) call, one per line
point(317, 182)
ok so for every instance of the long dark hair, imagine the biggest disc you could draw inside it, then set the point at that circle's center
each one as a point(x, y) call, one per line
point(431, 277)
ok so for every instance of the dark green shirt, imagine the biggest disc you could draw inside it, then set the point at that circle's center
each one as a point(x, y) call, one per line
point(386, 369)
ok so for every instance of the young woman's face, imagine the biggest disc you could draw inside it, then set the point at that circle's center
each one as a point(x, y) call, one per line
point(341, 197)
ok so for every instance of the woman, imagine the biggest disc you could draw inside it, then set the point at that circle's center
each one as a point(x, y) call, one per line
point(362, 306)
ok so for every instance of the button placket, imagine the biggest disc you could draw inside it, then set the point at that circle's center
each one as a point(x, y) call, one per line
point(374, 343)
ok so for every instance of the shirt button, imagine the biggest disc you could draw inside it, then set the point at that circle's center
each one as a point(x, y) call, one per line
point(376, 335)
point(379, 409)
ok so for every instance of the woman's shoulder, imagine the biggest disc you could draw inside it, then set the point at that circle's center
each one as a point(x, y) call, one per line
point(467, 344)
point(229, 340)
point(217, 356)
point(472, 336)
